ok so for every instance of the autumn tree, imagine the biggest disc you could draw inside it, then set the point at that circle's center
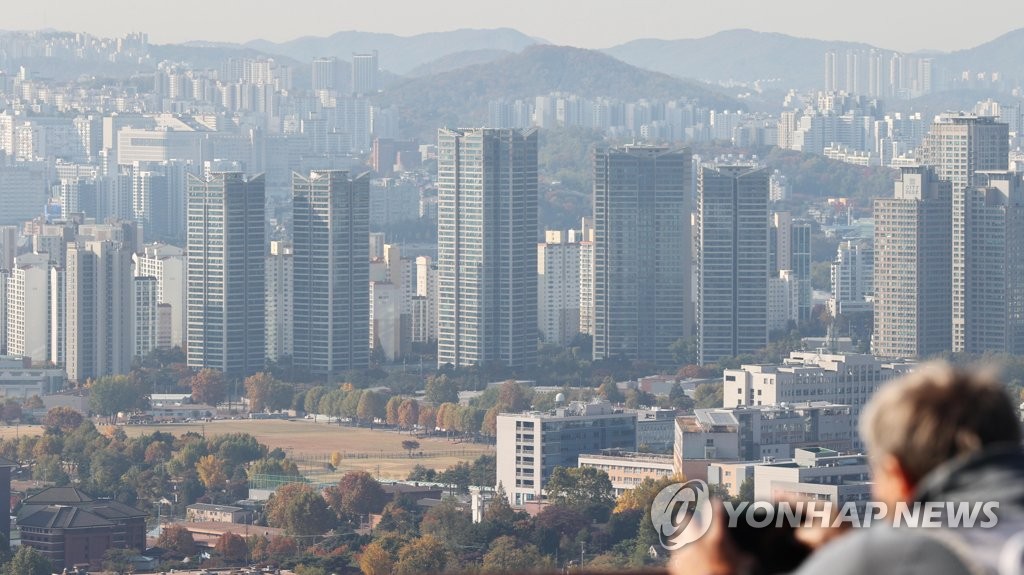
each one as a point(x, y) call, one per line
point(513, 397)
point(357, 493)
point(391, 410)
point(211, 472)
point(232, 548)
point(62, 419)
point(374, 560)
point(280, 548)
point(641, 496)
point(408, 413)
point(299, 509)
point(208, 386)
point(265, 392)
point(426, 554)
point(177, 541)
point(427, 418)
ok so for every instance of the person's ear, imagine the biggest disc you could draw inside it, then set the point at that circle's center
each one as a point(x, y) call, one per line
point(898, 481)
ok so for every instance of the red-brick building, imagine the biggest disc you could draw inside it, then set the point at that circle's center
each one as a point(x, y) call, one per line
point(70, 528)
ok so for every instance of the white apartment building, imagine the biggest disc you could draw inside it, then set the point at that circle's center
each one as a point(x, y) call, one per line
point(166, 263)
point(558, 287)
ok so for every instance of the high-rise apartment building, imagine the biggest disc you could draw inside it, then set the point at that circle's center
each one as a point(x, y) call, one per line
point(790, 249)
point(99, 309)
point(28, 308)
point(641, 252)
point(325, 76)
point(558, 287)
point(732, 260)
point(146, 306)
point(424, 312)
point(586, 273)
point(364, 73)
point(487, 247)
point(166, 263)
point(912, 267)
point(959, 146)
point(280, 298)
point(852, 277)
point(993, 298)
point(225, 271)
point(331, 215)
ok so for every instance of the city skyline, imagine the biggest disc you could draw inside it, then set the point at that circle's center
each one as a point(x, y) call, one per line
point(570, 23)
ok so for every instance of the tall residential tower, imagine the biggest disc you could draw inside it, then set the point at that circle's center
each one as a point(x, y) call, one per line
point(225, 271)
point(641, 252)
point(487, 247)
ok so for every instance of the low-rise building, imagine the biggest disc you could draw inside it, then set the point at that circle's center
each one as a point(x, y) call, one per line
point(19, 380)
point(70, 528)
point(627, 469)
point(754, 433)
point(814, 474)
point(807, 376)
point(655, 429)
point(205, 512)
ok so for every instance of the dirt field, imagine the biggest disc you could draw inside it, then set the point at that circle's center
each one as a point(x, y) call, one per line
point(11, 431)
point(377, 451)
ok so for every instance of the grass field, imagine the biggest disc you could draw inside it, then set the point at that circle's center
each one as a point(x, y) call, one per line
point(377, 451)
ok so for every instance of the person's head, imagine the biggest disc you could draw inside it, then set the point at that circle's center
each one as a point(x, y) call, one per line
point(930, 416)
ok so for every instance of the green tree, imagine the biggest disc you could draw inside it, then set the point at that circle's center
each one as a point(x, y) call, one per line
point(507, 555)
point(28, 561)
point(299, 509)
point(370, 406)
point(410, 445)
point(708, 395)
point(119, 561)
point(113, 394)
point(580, 488)
point(678, 399)
point(447, 522)
point(441, 389)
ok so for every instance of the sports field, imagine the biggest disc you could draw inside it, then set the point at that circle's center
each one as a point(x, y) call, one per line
point(377, 451)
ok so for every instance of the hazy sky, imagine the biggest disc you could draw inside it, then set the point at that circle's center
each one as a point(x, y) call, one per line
point(896, 24)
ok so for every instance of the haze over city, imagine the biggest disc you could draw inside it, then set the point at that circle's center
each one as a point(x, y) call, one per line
point(906, 25)
point(417, 288)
